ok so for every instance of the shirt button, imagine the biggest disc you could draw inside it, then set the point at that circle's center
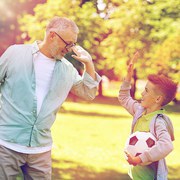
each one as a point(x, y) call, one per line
point(33, 112)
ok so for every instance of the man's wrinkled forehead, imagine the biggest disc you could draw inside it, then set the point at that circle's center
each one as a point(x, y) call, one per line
point(69, 35)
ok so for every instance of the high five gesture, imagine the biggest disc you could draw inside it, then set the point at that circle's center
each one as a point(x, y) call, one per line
point(131, 67)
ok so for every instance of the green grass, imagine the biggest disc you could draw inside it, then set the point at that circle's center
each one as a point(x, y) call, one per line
point(89, 140)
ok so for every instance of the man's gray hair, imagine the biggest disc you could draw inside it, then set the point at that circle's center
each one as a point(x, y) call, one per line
point(59, 24)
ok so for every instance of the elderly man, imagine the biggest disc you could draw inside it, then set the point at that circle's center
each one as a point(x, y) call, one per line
point(35, 81)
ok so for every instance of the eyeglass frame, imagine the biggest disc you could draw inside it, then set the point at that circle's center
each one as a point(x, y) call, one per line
point(68, 46)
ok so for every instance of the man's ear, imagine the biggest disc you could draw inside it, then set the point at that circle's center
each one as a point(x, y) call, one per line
point(51, 35)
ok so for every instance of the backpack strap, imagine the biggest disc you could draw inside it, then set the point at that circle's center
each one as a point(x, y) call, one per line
point(155, 121)
point(156, 162)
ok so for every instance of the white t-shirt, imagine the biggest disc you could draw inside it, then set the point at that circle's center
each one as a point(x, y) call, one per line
point(43, 67)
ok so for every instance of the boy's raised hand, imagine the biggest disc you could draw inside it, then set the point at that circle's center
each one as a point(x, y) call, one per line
point(131, 67)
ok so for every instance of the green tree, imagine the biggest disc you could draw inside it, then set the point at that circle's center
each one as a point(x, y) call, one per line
point(10, 10)
point(142, 25)
point(167, 58)
point(84, 14)
point(112, 31)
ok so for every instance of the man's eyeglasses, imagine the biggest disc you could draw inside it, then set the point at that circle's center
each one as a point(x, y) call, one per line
point(68, 46)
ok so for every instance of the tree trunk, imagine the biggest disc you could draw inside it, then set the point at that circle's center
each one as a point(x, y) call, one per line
point(100, 91)
point(133, 85)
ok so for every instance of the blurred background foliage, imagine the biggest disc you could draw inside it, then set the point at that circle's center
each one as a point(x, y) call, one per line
point(111, 30)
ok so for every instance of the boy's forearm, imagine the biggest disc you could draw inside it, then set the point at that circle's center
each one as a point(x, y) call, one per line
point(125, 98)
point(127, 78)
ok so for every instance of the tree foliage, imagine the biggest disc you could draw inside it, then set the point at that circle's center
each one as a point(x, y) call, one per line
point(112, 31)
point(144, 26)
point(10, 11)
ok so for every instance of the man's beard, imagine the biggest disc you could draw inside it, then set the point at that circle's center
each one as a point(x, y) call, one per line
point(54, 50)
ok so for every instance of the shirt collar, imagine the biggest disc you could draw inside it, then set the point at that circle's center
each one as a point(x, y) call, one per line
point(35, 48)
point(152, 114)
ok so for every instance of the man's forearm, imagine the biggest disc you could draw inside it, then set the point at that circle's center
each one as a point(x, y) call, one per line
point(89, 68)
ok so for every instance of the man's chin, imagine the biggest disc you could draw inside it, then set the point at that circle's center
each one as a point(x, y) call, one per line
point(59, 57)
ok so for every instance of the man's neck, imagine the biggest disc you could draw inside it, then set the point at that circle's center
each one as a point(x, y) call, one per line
point(44, 49)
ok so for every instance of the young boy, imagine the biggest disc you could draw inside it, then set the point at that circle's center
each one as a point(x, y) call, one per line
point(149, 117)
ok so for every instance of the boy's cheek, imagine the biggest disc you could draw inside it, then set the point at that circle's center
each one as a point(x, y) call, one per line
point(143, 104)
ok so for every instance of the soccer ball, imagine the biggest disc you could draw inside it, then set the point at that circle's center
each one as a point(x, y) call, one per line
point(139, 142)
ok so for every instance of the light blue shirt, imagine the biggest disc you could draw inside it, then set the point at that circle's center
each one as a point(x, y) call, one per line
point(19, 122)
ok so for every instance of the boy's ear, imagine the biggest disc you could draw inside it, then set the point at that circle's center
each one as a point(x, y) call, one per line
point(159, 99)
